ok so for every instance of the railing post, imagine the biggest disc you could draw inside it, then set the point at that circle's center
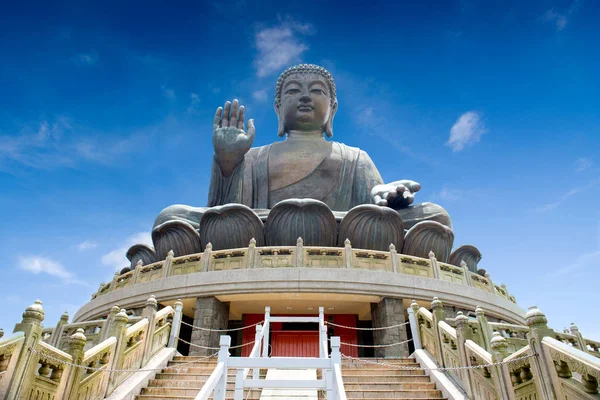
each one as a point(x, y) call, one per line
point(484, 328)
point(299, 252)
point(174, 334)
point(31, 326)
point(541, 364)
point(149, 312)
point(467, 273)
point(257, 337)
point(206, 257)
point(580, 340)
point(463, 333)
point(434, 265)
point(105, 332)
point(113, 284)
point(394, 257)
point(348, 253)
point(439, 315)
point(266, 331)
point(136, 270)
point(74, 346)
point(336, 358)
point(57, 332)
point(321, 325)
point(251, 253)
point(166, 268)
point(502, 381)
point(118, 330)
point(414, 326)
point(221, 387)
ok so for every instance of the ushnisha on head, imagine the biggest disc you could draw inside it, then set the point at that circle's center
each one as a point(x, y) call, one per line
point(305, 99)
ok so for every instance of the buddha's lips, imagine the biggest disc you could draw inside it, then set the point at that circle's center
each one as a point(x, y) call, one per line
point(305, 108)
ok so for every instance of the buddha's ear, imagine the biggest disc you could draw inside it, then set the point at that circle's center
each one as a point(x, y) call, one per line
point(280, 126)
point(329, 123)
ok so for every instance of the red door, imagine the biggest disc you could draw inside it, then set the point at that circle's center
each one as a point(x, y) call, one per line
point(295, 344)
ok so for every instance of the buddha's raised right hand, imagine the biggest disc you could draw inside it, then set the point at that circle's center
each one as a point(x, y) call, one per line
point(230, 140)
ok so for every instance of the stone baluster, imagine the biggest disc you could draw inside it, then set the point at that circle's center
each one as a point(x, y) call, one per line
point(542, 366)
point(503, 286)
point(166, 268)
point(299, 252)
point(113, 284)
point(574, 330)
point(485, 331)
point(394, 257)
point(467, 273)
point(348, 253)
point(58, 330)
point(118, 329)
point(414, 324)
point(105, 332)
point(74, 346)
point(206, 257)
point(336, 358)
point(251, 253)
point(464, 333)
point(437, 310)
point(434, 265)
point(31, 326)
point(176, 324)
point(500, 374)
point(136, 271)
point(221, 388)
point(257, 338)
point(492, 288)
point(149, 312)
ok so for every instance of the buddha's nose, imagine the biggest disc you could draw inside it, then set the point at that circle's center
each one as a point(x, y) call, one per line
point(305, 98)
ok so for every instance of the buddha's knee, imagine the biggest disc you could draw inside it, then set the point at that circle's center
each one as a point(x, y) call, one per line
point(429, 229)
point(180, 212)
point(424, 212)
point(176, 229)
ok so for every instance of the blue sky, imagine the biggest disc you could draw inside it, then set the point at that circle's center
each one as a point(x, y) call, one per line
point(106, 112)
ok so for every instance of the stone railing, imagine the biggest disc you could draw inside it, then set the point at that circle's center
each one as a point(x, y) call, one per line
point(33, 369)
point(481, 358)
point(302, 256)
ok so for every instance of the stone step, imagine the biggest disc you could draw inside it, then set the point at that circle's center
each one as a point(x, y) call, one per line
point(384, 372)
point(385, 379)
point(394, 394)
point(389, 386)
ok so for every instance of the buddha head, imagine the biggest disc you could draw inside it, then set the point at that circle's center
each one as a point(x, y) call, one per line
point(305, 99)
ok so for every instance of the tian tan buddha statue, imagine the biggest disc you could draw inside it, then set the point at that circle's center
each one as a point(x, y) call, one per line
point(302, 186)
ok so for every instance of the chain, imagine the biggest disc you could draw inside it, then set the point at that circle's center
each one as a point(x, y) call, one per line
point(222, 330)
point(470, 367)
point(58, 360)
point(367, 329)
point(215, 348)
point(374, 345)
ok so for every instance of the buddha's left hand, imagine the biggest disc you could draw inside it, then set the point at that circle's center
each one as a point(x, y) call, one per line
point(399, 194)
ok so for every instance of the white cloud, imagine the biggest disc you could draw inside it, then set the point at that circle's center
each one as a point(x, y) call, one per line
point(194, 102)
point(560, 19)
point(87, 245)
point(116, 258)
point(260, 95)
point(583, 163)
point(89, 58)
point(449, 194)
point(38, 265)
point(583, 261)
point(278, 46)
point(566, 196)
point(466, 131)
point(168, 93)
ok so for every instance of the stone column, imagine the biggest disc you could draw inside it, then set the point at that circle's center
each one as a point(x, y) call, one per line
point(389, 312)
point(210, 313)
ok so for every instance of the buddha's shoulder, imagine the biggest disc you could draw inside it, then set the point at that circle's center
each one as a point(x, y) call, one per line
point(349, 151)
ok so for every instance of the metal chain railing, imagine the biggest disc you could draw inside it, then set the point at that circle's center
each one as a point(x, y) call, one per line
point(375, 345)
point(221, 330)
point(88, 368)
point(215, 348)
point(405, 368)
point(367, 329)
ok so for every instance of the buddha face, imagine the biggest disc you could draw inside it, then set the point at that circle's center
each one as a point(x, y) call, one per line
point(306, 103)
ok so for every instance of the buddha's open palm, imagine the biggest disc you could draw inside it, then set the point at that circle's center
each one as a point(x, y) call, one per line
point(399, 194)
point(230, 140)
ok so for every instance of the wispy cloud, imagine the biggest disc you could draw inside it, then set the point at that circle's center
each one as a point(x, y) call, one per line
point(449, 194)
point(87, 245)
point(194, 103)
point(560, 19)
point(260, 95)
point(38, 265)
point(116, 259)
point(466, 131)
point(587, 260)
point(567, 196)
point(86, 59)
point(168, 93)
point(583, 163)
point(280, 45)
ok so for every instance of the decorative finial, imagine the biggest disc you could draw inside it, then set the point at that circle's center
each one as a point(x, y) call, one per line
point(498, 342)
point(252, 242)
point(535, 316)
point(463, 264)
point(64, 316)
point(208, 246)
point(414, 304)
point(34, 311)
point(78, 335)
point(151, 301)
point(122, 316)
point(479, 311)
point(347, 242)
point(392, 247)
point(461, 318)
point(431, 254)
point(139, 263)
point(299, 241)
point(178, 303)
point(171, 254)
point(436, 303)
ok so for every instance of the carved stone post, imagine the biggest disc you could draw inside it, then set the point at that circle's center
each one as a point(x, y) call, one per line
point(206, 257)
point(136, 271)
point(57, 333)
point(434, 265)
point(299, 252)
point(542, 364)
point(580, 340)
point(492, 288)
point(467, 273)
point(31, 326)
point(502, 380)
point(166, 268)
point(150, 313)
point(484, 328)
point(118, 329)
point(74, 346)
point(348, 253)
point(105, 332)
point(464, 333)
point(176, 324)
point(394, 257)
point(113, 284)
point(414, 324)
point(437, 309)
point(251, 253)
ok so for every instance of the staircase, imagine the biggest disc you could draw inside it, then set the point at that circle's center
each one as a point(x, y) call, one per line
point(361, 381)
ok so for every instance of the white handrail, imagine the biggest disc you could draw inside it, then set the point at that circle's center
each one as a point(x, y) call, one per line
point(211, 382)
point(341, 392)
